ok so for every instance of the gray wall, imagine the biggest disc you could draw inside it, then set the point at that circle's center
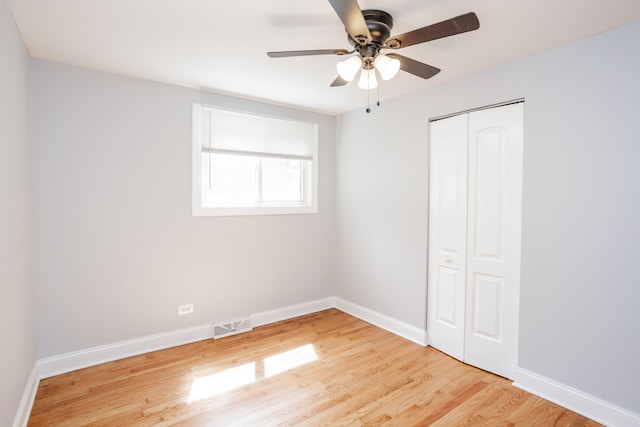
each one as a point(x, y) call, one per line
point(16, 291)
point(581, 233)
point(116, 248)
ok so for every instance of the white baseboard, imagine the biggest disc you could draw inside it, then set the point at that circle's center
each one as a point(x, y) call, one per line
point(392, 325)
point(417, 335)
point(68, 362)
point(575, 400)
point(272, 316)
point(28, 397)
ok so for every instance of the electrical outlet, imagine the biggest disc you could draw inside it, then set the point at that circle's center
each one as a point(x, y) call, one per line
point(185, 309)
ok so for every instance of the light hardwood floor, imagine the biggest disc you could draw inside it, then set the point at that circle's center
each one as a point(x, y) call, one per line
point(349, 373)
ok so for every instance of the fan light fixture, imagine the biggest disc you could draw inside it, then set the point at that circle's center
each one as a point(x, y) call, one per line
point(348, 68)
point(386, 66)
point(368, 79)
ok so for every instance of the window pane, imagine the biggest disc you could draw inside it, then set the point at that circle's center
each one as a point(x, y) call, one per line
point(281, 180)
point(228, 180)
point(248, 164)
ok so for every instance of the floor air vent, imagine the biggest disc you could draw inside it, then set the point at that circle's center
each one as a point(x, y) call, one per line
point(232, 328)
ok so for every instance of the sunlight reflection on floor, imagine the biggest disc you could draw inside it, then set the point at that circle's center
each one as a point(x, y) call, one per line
point(238, 376)
point(220, 382)
point(288, 360)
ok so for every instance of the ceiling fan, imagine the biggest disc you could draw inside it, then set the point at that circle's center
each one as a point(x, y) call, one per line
point(369, 32)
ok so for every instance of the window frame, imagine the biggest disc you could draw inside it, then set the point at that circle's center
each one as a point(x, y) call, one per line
point(310, 173)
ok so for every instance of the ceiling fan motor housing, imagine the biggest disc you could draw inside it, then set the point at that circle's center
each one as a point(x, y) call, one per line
point(380, 24)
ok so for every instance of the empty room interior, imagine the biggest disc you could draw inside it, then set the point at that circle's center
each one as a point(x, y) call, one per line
point(450, 188)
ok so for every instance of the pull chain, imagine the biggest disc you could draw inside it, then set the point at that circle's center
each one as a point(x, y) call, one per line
point(368, 110)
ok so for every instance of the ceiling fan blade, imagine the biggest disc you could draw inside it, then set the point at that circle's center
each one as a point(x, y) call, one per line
point(339, 81)
point(351, 16)
point(414, 67)
point(287, 53)
point(459, 24)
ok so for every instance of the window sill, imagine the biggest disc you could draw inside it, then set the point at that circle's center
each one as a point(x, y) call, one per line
point(254, 210)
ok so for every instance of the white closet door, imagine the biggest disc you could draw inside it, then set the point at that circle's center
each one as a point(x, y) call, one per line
point(447, 234)
point(475, 204)
point(494, 230)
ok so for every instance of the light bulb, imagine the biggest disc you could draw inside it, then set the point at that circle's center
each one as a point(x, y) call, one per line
point(387, 67)
point(348, 68)
point(368, 79)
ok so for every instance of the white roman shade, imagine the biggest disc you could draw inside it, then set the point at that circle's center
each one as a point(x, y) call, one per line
point(228, 132)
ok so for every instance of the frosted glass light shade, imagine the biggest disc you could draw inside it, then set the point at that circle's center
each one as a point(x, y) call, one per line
point(348, 68)
point(387, 67)
point(368, 79)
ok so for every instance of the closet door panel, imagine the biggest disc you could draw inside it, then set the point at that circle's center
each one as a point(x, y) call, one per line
point(486, 187)
point(493, 257)
point(447, 312)
point(447, 234)
point(486, 308)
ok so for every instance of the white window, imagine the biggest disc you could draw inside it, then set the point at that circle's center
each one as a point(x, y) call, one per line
point(245, 164)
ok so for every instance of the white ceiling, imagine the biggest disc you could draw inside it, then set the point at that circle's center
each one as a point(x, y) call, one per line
point(221, 45)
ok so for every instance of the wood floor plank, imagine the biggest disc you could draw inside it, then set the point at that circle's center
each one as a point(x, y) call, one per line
point(354, 375)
